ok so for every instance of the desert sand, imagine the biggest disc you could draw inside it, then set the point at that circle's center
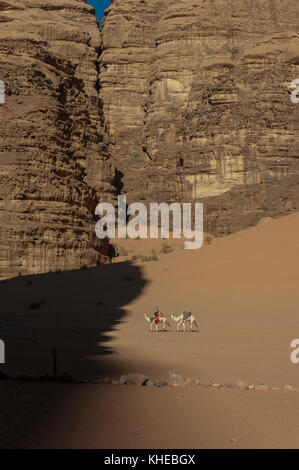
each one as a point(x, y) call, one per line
point(244, 292)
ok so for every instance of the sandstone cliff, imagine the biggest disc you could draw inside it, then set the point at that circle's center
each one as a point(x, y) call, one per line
point(176, 100)
point(54, 165)
point(197, 103)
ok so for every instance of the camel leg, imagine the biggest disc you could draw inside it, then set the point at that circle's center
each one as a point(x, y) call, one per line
point(178, 325)
point(184, 325)
point(157, 327)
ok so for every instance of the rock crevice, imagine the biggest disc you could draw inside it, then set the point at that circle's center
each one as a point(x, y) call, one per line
point(54, 162)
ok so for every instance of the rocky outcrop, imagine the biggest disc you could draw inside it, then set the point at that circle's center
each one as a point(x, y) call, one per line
point(54, 165)
point(196, 99)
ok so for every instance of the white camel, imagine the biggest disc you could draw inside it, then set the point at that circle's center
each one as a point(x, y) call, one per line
point(152, 321)
point(183, 319)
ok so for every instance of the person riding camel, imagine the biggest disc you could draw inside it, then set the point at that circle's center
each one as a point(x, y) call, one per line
point(157, 314)
point(187, 314)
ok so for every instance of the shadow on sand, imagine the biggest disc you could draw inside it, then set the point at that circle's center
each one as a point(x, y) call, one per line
point(74, 311)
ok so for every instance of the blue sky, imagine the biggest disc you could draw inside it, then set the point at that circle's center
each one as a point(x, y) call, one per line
point(100, 6)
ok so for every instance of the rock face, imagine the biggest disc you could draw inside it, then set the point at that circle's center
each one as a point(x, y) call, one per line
point(176, 100)
point(196, 99)
point(54, 165)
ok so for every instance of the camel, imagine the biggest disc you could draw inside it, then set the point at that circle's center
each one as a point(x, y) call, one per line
point(181, 320)
point(162, 319)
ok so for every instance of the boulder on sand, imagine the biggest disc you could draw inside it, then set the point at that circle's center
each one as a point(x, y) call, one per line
point(133, 379)
point(175, 379)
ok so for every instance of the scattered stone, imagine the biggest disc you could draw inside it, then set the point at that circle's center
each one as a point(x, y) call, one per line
point(262, 387)
point(288, 388)
point(234, 440)
point(190, 382)
point(151, 383)
point(133, 379)
point(197, 382)
point(251, 387)
point(229, 385)
point(162, 384)
point(175, 379)
point(216, 385)
point(241, 384)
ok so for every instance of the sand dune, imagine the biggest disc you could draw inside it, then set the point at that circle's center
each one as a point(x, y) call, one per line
point(244, 290)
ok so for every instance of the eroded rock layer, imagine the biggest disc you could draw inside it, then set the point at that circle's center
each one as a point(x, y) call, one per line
point(54, 165)
point(196, 100)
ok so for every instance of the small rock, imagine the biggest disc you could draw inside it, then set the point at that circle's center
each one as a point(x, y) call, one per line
point(251, 387)
point(288, 388)
point(234, 440)
point(107, 380)
point(197, 382)
point(190, 382)
point(133, 379)
point(262, 387)
point(216, 385)
point(175, 379)
point(162, 384)
point(241, 384)
point(229, 385)
point(151, 383)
